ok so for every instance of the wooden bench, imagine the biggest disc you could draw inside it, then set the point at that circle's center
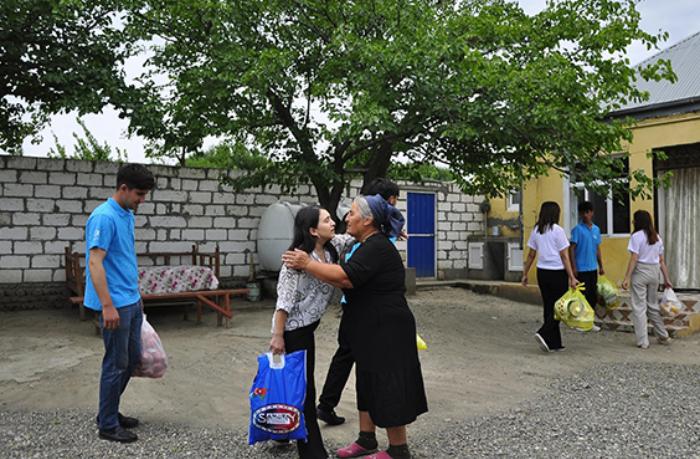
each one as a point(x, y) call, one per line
point(218, 300)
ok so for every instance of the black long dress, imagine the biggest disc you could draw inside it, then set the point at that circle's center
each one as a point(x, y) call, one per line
point(381, 331)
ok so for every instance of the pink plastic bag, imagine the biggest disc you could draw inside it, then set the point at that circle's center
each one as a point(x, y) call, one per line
point(154, 362)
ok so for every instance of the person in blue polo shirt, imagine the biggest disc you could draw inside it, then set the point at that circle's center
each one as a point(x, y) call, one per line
point(586, 258)
point(112, 288)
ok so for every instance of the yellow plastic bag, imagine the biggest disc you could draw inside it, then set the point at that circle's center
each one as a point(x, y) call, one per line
point(421, 344)
point(608, 291)
point(573, 309)
point(669, 304)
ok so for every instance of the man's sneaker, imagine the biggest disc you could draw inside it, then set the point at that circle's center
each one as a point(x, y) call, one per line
point(329, 416)
point(124, 421)
point(643, 346)
point(541, 342)
point(119, 434)
point(664, 340)
point(595, 328)
point(561, 349)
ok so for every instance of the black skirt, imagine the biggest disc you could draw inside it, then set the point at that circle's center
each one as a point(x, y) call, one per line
point(393, 398)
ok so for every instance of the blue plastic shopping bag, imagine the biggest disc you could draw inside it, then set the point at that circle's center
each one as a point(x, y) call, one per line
point(277, 398)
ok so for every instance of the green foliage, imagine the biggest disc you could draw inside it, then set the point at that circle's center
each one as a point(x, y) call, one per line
point(241, 161)
point(87, 148)
point(55, 55)
point(327, 87)
point(419, 172)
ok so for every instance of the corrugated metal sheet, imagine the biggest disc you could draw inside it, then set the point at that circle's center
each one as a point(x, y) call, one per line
point(685, 60)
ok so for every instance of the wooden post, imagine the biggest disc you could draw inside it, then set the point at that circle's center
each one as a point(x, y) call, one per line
point(227, 306)
point(68, 266)
point(219, 316)
point(78, 274)
point(194, 254)
point(217, 261)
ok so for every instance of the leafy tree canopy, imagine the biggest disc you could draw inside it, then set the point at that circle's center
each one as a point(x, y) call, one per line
point(317, 86)
point(326, 88)
point(235, 158)
point(55, 55)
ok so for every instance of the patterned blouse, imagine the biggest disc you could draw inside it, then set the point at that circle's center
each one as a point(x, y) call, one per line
point(304, 297)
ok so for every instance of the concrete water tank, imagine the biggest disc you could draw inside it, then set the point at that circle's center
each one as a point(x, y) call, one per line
point(275, 233)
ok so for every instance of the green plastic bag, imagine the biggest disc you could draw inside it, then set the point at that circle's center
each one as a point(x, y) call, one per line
point(609, 292)
point(573, 309)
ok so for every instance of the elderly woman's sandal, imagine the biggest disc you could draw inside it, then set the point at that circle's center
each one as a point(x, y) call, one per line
point(354, 450)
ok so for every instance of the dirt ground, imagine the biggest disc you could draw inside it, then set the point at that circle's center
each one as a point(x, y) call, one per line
point(482, 359)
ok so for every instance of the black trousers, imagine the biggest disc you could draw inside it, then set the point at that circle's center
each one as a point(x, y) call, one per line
point(590, 279)
point(553, 284)
point(337, 377)
point(296, 340)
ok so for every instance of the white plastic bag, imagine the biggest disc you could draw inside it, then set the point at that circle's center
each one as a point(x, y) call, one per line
point(669, 304)
point(154, 361)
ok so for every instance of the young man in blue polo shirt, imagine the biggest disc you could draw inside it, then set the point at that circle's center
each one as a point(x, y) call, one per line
point(586, 259)
point(112, 288)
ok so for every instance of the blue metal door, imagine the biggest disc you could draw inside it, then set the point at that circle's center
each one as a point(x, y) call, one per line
point(421, 233)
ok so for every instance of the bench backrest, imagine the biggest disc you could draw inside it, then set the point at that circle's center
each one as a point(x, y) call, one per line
point(75, 263)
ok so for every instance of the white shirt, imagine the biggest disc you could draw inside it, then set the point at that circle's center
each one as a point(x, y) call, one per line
point(301, 295)
point(548, 246)
point(648, 254)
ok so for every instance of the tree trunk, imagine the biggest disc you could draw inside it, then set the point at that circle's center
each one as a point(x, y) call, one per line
point(329, 199)
point(183, 157)
point(379, 163)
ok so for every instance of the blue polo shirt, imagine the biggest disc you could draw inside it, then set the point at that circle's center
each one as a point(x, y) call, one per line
point(111, 228)
point(587, 241)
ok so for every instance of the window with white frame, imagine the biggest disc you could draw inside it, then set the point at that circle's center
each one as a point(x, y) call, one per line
point(611, 214)
point(513, 201)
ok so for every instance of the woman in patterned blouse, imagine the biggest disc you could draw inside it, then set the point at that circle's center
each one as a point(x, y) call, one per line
point(301, 301)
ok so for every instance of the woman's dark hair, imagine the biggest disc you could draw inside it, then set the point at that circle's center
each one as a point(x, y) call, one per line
point(549, 215)
point(135, 176)
point(307, 218)
point(643, 222)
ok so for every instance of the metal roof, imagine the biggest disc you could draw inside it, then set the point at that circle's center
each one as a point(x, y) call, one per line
point(664, 95)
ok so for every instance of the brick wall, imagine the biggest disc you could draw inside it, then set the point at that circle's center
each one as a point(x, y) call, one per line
point(44, 204)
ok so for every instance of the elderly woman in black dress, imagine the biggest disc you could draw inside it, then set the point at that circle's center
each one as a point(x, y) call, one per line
point(379, 326)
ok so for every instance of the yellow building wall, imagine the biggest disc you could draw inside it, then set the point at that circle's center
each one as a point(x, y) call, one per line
point(647, 135)
point(500, 213)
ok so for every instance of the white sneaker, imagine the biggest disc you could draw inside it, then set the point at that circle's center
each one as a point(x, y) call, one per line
point(643, 346)
point(595, 328)
point(664, 340)
point(541, 342)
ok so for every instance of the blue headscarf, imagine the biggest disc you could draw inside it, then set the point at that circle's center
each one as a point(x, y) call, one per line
point(387, 216)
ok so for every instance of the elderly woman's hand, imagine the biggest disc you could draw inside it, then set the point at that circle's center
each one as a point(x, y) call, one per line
point(296, 259)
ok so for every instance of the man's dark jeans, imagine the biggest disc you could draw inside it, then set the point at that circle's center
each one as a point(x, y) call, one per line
point(122, 355)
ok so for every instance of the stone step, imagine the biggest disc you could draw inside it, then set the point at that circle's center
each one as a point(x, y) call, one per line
point(623, 314)
point(683, 323)
point(676, 331)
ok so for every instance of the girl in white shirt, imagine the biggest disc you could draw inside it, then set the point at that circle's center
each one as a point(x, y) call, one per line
point(646, 259)
point(301, 301)
point(548, 242)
